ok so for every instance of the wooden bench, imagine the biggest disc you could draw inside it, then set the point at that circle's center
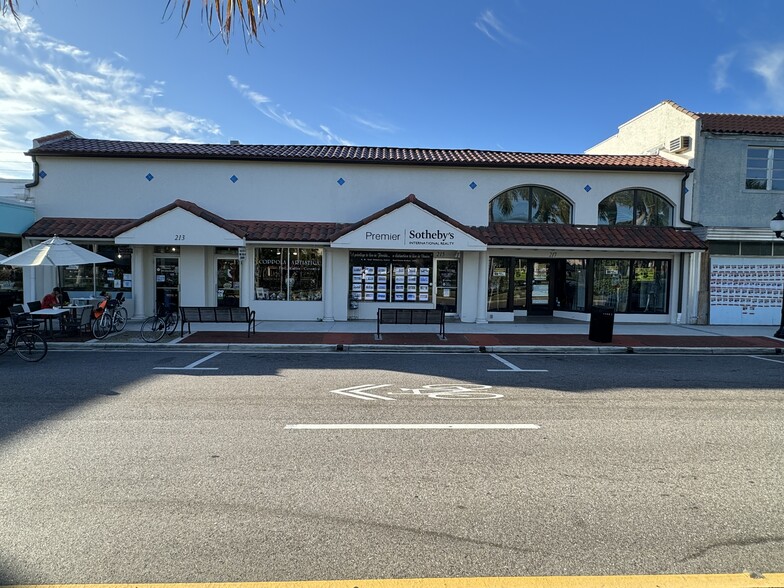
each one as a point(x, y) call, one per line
point(216, 314)
point(410, 316)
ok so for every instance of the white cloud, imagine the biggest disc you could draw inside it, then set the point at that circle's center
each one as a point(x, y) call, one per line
point(721, 69)
point(489, 24)
point(47, 85)
point(275, 112)
point(768, 64)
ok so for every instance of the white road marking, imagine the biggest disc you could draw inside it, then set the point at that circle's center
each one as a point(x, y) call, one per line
point(513, 367)
point(766, 359)
point(332, 426)
point(193, 365)
point(361, 392)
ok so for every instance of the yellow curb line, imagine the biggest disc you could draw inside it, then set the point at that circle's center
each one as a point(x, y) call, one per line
point(661, 581)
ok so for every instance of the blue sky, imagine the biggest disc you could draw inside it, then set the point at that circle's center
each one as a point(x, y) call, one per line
point(555, 77)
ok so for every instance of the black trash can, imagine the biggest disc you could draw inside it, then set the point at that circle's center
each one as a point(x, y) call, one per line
point(602, 320)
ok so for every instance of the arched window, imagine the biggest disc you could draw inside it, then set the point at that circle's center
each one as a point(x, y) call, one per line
point(530, 204)
point(635, 207)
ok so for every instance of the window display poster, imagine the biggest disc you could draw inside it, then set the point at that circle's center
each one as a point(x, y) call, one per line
point(356, 270)
point(399, 297)
point(411, 297)
point(423, 297)
point(746, 291)
point(381, 296)
point(370, 296)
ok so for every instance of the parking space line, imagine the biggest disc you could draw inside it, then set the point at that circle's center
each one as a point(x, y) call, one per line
point(512, 367)
point(766, 359)
point(192, 366)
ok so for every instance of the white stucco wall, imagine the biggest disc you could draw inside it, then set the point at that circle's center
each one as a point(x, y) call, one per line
point(651, 132)
point(76, 187)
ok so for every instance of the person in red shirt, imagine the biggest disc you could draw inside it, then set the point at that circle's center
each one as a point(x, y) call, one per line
point(54, 298)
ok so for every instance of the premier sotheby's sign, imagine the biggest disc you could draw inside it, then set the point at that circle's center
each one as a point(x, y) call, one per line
point(435, 238)
point(409, 227)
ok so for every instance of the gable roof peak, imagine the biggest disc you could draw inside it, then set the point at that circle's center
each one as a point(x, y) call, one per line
point(53, 138)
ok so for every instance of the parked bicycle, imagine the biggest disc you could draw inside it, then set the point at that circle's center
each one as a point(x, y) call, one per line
point(25, 340)
point(164, 322)
point(110, 316)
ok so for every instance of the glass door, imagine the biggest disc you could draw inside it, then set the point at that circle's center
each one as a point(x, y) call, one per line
point(167, 281)
point(446, 285)
point(540, 299)
point(228, 285)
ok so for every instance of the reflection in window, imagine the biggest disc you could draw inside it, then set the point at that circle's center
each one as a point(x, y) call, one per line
point(635, 207)
point(637, 286)
point(611, 283)
point(530, 204)
point(765, 169)
point(10, 277)
point(288, 273)
point(648, 291)
point(575, 281)
point(109, 277)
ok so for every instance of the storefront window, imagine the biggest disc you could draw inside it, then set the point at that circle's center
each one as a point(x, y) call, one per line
point(498, 284)
point(636, 286)
point(611, 283)
point(10, 277)
point(114, 276)
point(575, 284)
point(649, 286)
point(390, 276)
point(288, 273)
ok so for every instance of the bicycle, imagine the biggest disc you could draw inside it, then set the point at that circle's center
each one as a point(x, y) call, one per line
point(109, 317)
point(25, 340)
point(164, 322)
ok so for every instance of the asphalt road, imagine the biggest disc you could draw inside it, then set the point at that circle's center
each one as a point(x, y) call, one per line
point(125, 467)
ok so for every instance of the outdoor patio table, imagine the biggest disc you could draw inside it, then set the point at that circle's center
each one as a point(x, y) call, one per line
point(48, 315)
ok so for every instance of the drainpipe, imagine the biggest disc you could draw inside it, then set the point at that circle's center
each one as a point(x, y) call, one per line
point(36, 177)
point(702, 287)
point(683, 201)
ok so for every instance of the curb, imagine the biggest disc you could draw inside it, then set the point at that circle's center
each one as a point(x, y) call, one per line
point(371, 348)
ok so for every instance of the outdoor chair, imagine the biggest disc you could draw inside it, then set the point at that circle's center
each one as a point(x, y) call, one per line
point(78, 321)
point(34, 305)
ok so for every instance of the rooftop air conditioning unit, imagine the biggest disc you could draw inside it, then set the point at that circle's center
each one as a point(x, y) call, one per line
point(680, 144)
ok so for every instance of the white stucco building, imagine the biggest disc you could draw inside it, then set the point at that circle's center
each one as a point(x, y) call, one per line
point(736, 188)
point(335, 232)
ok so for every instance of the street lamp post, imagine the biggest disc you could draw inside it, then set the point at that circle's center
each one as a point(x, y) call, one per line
point(777, 226)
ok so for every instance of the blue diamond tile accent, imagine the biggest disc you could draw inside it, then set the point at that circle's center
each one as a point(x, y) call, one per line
point(42, 174)
point(587, 188)
point(687, 190)
point(341, 181)
point(473, 185)
point(234, 179)
point(149, 177)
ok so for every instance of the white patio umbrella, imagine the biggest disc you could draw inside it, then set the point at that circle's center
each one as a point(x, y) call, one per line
point(54, 252)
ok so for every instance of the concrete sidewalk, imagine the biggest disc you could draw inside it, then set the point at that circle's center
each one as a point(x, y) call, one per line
point(527, 335)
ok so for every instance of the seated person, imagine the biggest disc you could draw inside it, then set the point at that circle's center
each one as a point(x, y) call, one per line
point(54, 298)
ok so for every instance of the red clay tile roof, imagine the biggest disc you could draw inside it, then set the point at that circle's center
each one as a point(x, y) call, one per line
point(590, 237)
point(289, 231)
point(71, 145)
point(496, 235)
point(746, 124)
point(194, 209)
point(410, 199)
point(76, 228)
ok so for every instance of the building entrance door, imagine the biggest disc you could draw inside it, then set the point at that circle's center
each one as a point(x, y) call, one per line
point(540, 288)
point(446, 285)
point(228, 286)
point(167, 281)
